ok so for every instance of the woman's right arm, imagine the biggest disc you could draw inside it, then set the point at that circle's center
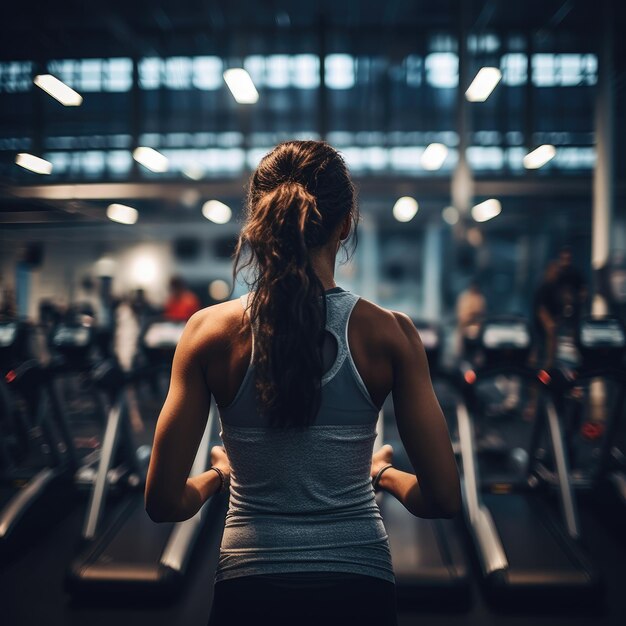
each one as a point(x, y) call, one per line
point(435, 489)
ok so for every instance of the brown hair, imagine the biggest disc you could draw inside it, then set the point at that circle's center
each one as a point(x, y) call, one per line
point(299, 195)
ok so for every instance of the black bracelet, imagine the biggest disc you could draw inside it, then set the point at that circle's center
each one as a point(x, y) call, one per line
point(221, 475)
point(381, 471)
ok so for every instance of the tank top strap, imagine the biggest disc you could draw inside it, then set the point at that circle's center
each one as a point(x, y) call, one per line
point(339, 307)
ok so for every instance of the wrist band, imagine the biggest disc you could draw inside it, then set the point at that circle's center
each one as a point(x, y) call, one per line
point(223, 482)
point(381, 471)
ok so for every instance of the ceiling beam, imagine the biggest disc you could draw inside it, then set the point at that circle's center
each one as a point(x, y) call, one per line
point(235, 188)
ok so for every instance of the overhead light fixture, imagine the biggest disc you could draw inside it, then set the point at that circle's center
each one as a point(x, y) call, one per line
point(33, 163)
point(219, 289)
point(486, 210)
point(483, 84)
point(450, 215)
point(539, 156)
point(150, 158)
point(105, 266)
point(122, 214)
point(434, 156)
point(405, 209)
point(216, 211)
point(241, 86)
point(58, 90)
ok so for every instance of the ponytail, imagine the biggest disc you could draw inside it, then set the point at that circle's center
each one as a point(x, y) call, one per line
point(288, 307)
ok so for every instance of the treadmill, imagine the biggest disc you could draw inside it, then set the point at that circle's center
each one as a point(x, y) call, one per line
point(600, 467)
point(527, 553)
point(36, 460)
point(428, 560)
point(132, 554)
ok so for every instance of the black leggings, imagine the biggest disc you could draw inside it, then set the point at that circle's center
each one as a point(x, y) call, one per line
point(326, 599)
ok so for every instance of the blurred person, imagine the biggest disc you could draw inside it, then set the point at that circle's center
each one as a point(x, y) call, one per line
point(142, 308)
point(298, 409)
point(571, 287)
point(471, 308)
point(546, 312)
point(87, 302)
point(182, 302)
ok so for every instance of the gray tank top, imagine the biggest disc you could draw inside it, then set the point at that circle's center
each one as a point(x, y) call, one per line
point(301, 500)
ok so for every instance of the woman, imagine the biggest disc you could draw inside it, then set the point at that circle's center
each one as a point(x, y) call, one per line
point(299, 378)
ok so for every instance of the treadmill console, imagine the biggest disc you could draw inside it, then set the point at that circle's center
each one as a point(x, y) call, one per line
point(73, 341)
point(14, 343)
point(431, 340)
point(8, 334)
point(163, 335)
point(505, 341)
point(601, 341)
point(67, 336)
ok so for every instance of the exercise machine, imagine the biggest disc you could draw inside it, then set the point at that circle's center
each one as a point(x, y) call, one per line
point(131, 554)
point(428, 560)
point(526, 551)
point(36, 455)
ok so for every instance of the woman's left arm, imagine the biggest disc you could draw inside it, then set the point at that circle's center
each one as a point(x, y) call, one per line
point(171, 495)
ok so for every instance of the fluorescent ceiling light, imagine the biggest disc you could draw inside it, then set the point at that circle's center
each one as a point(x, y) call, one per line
point(33, 163)
point(483, 84)
point(150, 158)
point(405, 209)
point(241, 86)
point(122, 213)
point(58, 90)
point(539, 156)
point(450, 215)
point(434, 156)
point(486, 210)
point(216, 211)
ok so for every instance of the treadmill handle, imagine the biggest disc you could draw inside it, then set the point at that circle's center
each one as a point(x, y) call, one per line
point(566, 494)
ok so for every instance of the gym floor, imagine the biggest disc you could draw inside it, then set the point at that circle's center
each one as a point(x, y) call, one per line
point(32, 592)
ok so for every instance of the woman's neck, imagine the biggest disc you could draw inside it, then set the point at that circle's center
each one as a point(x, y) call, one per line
point(324, 267)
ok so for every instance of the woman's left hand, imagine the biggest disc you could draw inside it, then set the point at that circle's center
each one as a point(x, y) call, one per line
point(382, 457)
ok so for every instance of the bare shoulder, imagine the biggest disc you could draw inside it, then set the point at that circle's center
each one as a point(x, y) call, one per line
point(213, 328)
point(386, 328)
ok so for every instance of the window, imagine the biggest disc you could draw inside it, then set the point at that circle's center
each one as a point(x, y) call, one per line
point(442, 70)
point(514, 69)
point(564, 70)
point(339, 71)
point(207, 73)
point(15, 76)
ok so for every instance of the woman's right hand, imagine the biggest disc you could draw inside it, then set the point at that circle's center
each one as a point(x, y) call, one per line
point(382, 457)
point(219, 459)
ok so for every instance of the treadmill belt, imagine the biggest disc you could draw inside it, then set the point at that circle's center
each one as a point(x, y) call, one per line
point(536, 552)
point(428, 561)
point(526, 539)
point(141, 538)
point(130, 550)
point(416, 550)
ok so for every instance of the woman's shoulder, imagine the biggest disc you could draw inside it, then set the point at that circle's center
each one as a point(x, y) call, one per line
point(214, 327)
point(385, 327)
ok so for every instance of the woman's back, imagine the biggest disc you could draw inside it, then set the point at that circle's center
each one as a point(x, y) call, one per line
point(312, 506)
